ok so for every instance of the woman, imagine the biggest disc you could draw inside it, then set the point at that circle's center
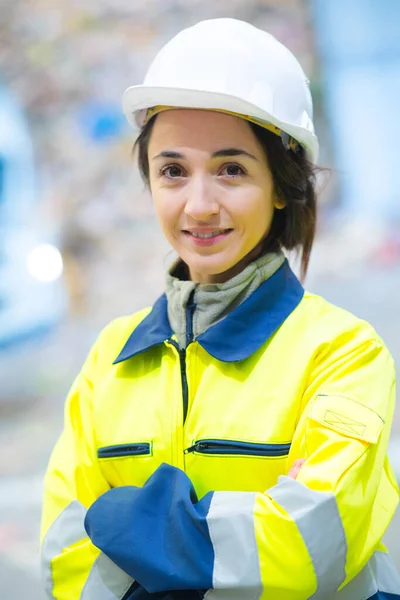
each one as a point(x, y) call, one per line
point(231, 441)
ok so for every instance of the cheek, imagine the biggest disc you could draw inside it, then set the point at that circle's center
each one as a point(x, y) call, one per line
point(257, 208)
point(167, 206)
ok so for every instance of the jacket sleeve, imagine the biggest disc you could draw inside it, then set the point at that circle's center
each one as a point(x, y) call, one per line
point(72, 567)
point(302, 538)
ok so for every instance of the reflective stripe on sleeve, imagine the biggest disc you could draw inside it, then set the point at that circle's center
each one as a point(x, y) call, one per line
point(106, 581)
point(386, 575)
point(230, 521)
point(66, 530)
point(362, 587)
point(379, 576)
point(317, 518)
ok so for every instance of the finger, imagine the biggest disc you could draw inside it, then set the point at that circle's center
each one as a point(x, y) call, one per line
point(295, 468)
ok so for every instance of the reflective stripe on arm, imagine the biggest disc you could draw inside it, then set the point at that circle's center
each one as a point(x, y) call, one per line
point(66, 530)
point(379, 579)
point(317, 517)
point(385, 573)
point(106, 581)
point(230, 521)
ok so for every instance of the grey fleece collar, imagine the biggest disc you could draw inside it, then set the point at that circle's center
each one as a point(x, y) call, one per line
point(214, 300)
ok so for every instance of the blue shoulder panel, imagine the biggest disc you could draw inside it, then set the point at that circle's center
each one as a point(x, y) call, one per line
point(252, 323)
point(153, 330)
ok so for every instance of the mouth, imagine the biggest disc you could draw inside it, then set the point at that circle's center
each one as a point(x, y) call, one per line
point(207, 238)
point(207, 235)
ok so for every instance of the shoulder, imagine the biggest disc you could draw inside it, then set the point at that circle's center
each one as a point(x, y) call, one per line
point(336, 333)
point(113, 337)
point(329, 320)
point(349, 360)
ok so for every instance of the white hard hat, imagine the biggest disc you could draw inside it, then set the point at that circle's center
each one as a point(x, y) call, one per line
point(229, 65)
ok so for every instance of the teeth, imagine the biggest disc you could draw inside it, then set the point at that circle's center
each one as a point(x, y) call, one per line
point(208, 235)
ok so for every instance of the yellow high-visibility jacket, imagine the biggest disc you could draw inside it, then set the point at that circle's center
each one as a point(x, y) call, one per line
point(172, 469)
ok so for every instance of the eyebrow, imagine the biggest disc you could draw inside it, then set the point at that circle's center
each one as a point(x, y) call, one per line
point(224, 153)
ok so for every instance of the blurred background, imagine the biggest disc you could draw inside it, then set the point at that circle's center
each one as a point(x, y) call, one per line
point(79, 243)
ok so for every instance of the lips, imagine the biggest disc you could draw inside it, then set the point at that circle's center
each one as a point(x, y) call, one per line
point(208, 235)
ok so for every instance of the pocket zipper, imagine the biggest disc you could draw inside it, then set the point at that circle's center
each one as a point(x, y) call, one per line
point(238, 448)
point(124, 450)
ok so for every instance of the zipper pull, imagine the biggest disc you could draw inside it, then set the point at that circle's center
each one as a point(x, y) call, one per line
point(191, 449)
point(196, 446)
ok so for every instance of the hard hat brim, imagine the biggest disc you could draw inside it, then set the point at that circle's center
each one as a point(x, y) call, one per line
point(138, 98)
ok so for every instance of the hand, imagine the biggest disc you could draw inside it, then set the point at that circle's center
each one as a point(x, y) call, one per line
point(295, 468)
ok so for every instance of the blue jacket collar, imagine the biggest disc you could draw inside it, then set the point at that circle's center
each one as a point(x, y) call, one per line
point(240, 333)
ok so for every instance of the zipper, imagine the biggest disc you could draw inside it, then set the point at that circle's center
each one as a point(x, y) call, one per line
point(185, 387)
point(184, 383)
point(238, 448)
point(141, 449)
point(190, 308)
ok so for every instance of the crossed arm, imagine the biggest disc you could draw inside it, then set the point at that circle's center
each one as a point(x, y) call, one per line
point(305, 535)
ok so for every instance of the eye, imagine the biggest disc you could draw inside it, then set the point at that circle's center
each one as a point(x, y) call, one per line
point(171, 171)
point(233, 170)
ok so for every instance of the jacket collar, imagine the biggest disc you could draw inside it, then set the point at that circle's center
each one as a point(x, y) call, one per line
point(240, 333)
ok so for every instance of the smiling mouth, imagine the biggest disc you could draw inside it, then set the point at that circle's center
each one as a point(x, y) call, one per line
point(206, 236)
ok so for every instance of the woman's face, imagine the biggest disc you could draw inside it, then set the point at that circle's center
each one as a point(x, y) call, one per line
point(212, 190)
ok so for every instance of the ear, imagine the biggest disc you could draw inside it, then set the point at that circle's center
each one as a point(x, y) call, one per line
point(279, 204)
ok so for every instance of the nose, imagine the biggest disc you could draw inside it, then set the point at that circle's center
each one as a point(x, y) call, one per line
point(201, 203)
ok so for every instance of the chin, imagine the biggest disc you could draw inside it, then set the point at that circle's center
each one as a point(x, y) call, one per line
point(211, 270)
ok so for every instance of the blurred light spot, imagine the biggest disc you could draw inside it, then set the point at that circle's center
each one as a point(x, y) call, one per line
point(45, 263)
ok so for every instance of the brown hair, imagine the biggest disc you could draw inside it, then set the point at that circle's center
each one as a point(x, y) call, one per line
point(294, 177)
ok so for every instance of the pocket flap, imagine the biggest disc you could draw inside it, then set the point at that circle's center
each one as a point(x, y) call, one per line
point(347, 416)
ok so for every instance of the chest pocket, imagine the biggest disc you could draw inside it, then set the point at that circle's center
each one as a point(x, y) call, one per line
point(235, 465)
point(347, 416)
point(126, 464)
